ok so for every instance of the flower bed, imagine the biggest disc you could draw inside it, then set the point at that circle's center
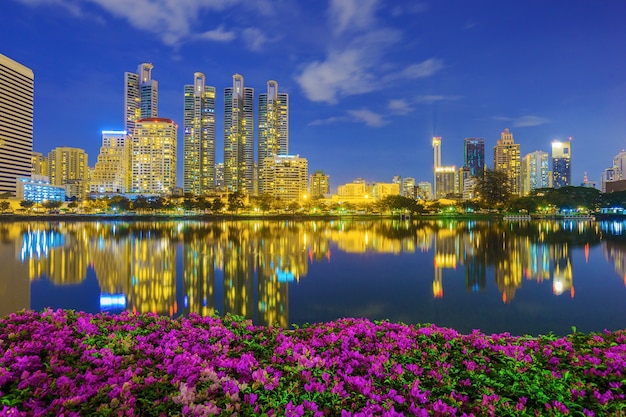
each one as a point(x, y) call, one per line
point(68, 363)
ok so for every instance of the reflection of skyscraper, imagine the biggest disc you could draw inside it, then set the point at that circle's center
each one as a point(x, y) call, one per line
point(16, 123)
point(563, 279)
point(561, 164)
point(14, 282)
point(506, 158)
point(474, 153)
point(445, 256)
point(239, 137)
point(199, 137)
point(199, 276)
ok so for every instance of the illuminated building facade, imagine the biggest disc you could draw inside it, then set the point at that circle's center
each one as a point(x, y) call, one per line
point(285, 177)
point(111, 173)
point(561, 164)
point(507, 159)
point(273, 126)
point(318, 184)
point(424, 190)
point(199, 137)
point(381, 190)
point(69, 167)
point(38, 189)
point(474, 156)
point(141, 96)
point(40, 164)
point(408, 187)
point(153, 156)
point(16, 123)
point(446, 182)
point(535, 172)
point(239, 137)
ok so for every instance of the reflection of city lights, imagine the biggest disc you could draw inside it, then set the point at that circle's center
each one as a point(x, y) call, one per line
point(557, 287)
point(112, 302)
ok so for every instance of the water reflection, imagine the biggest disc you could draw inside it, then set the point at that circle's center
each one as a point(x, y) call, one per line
point(246, 267)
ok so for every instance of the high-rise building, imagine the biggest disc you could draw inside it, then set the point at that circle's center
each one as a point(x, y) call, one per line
point(535, 172)
point(199, 137)
point(561, 164)
point(408, 187)
point(239, 137)
point(474, 156)
point(436, 151)
point(446, 182)
point(40, 164)
point(17, 84)
point(112, 171)
point(69, 167)
point(424, 190)
point(285, 177)
point(619, 163)
point(318, 184)
point(153, 156)
point(141, 96)
point(506, 158)
point(273, 122)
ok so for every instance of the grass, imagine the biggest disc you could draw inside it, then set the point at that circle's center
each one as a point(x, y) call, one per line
point(76, 364)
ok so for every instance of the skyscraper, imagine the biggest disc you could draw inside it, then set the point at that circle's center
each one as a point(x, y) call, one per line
point(68, 167)
point(474, 156)
point(153, 156)
point(112, 171)
point(506, 158)
point(561, 164)
point(16, 123)
point(199, 137)
point(535, 172)
point(141, 96)
point(239, 137)
point(436, 161)
point(273, 126)
point(285, 176)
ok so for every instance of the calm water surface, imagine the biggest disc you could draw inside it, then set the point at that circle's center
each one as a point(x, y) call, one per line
point(519, 277)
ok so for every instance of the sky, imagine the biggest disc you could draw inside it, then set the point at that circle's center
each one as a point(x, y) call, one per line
point(370, 82)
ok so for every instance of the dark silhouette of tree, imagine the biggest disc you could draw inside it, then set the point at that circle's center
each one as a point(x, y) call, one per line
point(493, 189)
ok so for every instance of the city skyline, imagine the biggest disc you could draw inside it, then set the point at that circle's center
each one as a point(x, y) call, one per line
point(369, 84)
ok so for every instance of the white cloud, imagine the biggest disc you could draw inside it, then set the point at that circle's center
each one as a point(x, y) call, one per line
point(528, 121)
point(399, 106)
point(434, 98)
point(328, 121)
point(368, 117)
point(524, 121)
point(342, 74)
point(254, 39)
point(218, 35)
point(351, 14)
point(423, 69)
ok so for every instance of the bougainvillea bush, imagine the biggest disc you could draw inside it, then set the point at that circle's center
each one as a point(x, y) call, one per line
point(67, 363)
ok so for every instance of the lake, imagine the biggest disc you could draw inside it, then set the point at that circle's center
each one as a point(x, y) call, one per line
point(524, 277)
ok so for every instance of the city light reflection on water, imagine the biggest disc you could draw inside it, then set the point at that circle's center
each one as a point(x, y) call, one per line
point(463, 274)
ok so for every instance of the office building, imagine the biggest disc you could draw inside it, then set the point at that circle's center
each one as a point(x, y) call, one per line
point(40, 164)
point(474, 156)
point(535, 172)
point(408, 187)
point(153, 156)
point(446, 182)
point(16, 123)
point(69, 167)
point(111, 173)
point(436, 151)
point(381, 190)
point(561, 164)
point(318, 184)
point(507, 159)
point(285, 177)
point(273, 126)
point(38, 189)
point(199, 137)
point(619, 164)
point(424, 191)
point(141, 96)
point(239, 137)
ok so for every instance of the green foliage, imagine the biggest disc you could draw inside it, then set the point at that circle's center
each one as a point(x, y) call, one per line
point(494, 189)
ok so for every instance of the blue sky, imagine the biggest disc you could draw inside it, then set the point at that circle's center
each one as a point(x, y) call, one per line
point(370, 81)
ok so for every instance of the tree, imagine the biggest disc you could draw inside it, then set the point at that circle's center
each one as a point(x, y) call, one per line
point(493, 189)
point(4, 205)
point(236, 202)
point(51, 204)
point(217, 205)
point(27, 204)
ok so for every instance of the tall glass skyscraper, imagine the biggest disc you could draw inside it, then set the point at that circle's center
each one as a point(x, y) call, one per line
point(535, 172)
point(141, 96)
point(239, 137)
point(474, 156)
point(199, 137)
point(273, 127)
point(561, 164)
point(16, 123)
